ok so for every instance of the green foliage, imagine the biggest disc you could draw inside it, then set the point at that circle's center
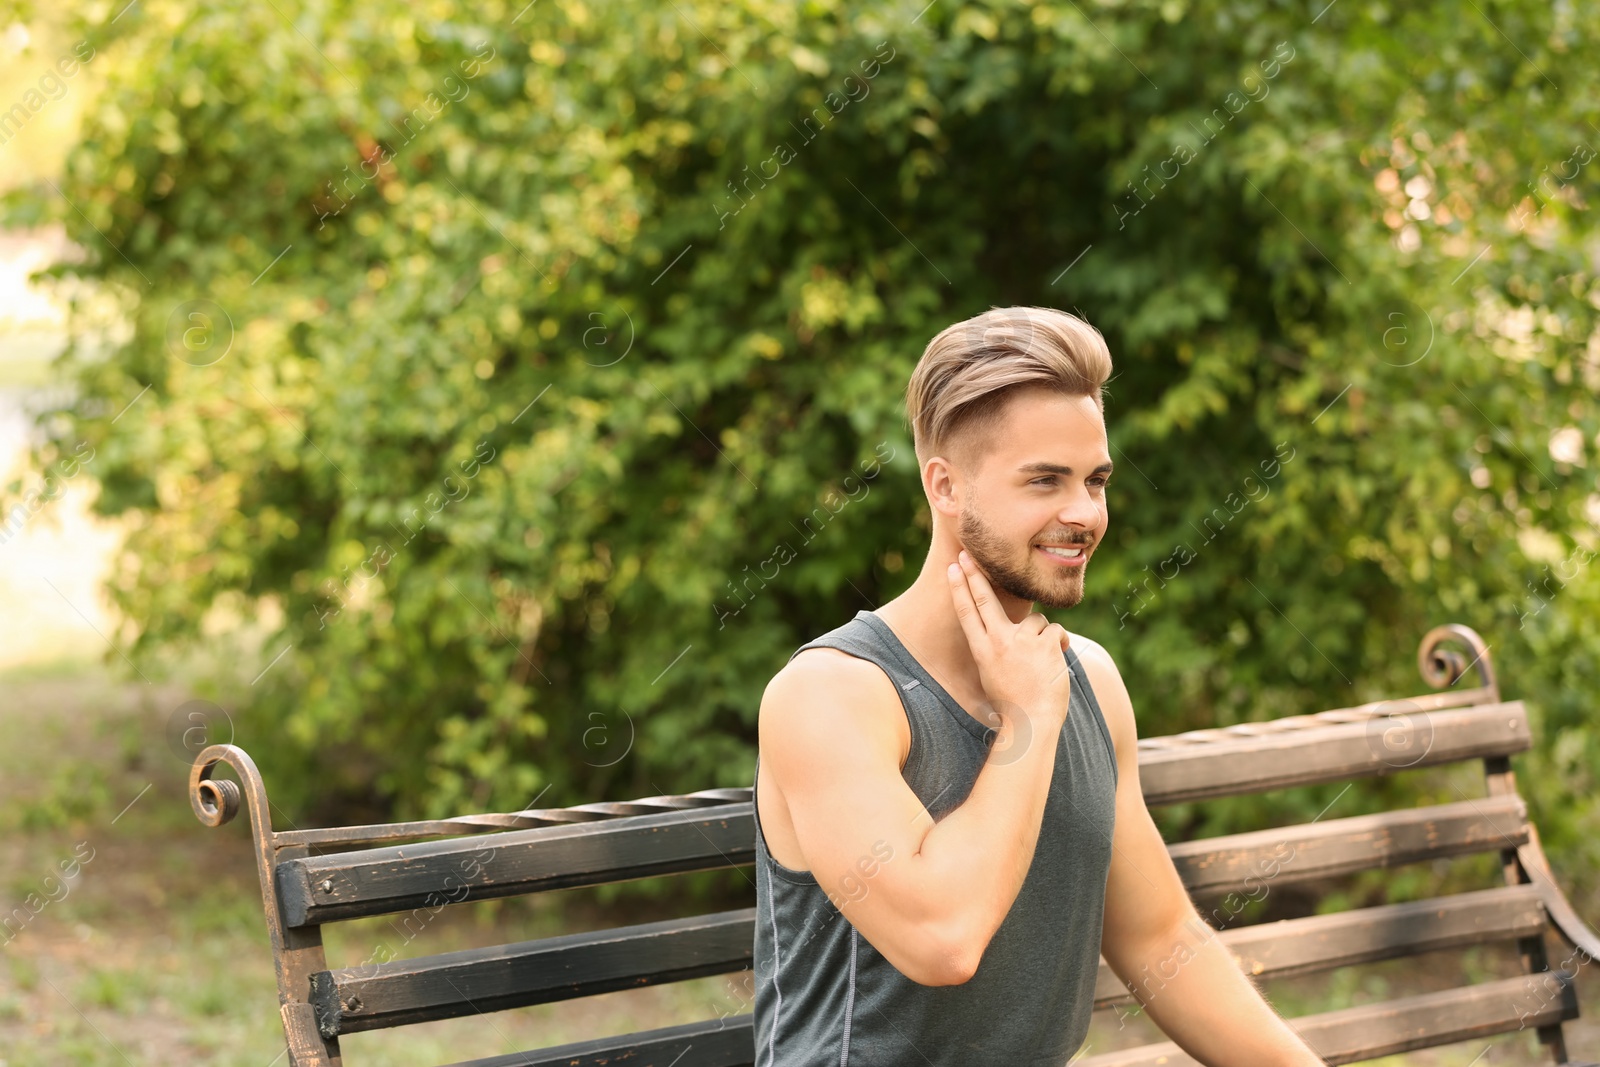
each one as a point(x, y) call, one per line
point(110, 988)
point(512, 392)
point(66, 795)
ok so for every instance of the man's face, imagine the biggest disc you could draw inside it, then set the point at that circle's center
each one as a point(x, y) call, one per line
point(1022, 496)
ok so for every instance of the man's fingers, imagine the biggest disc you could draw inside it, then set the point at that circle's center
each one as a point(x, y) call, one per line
point(966, 610)
point(1066, 638)
point(989, 614)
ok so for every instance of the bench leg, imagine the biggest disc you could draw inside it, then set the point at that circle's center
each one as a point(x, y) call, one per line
point(306, 1048)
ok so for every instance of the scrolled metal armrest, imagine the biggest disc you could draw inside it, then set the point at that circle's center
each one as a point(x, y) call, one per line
point(217, 800)
point(1442, 668)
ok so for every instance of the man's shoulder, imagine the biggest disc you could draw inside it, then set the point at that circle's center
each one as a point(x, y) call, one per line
point(828, 693)
point(1090, 651)
point(832, 672)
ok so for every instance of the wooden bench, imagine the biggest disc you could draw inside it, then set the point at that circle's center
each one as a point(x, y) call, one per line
point(310, 878)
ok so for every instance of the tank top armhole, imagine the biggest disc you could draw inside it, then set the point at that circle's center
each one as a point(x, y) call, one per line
point(790, 874)
point(1093, 701)
point(787, 874)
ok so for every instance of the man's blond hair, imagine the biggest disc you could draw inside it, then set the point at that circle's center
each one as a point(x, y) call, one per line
point(969, 371)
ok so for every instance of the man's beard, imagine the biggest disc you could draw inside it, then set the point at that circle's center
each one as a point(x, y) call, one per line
point(992, 553)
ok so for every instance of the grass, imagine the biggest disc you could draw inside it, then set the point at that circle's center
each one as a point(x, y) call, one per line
point(157, 952)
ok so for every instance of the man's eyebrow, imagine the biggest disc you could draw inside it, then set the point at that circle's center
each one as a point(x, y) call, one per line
point(1056, 468)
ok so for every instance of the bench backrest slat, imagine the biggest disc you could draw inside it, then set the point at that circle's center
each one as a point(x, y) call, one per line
point(1395, 1026)
point(728, 1042)
point(398, 878)
point(454, 984)
point(1331, 847)
point(1364, 935)
point(1233, 766)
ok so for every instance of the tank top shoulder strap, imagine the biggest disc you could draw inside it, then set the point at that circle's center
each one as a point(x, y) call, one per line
point(869, 637)
point(947, 745)
point(856, 637)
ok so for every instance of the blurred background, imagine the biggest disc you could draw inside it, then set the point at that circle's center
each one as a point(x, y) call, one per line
point(459, 406)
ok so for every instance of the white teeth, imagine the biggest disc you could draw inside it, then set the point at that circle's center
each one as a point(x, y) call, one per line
point(1065, 553)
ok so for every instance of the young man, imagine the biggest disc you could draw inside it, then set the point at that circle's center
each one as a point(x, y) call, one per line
point(949, 825)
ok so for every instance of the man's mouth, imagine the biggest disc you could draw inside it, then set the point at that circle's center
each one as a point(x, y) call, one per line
point(1068, 555)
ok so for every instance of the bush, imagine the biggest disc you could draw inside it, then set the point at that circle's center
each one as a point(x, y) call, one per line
point(521, 370)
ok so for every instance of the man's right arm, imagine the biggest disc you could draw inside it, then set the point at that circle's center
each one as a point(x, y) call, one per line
point(928, 896)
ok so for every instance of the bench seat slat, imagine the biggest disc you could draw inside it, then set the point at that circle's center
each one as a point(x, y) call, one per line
point(1248, 861)
point(1401, 1025)
point(1234, 765)
point(726, 1042)
point(1363, 935)
point(468, 982)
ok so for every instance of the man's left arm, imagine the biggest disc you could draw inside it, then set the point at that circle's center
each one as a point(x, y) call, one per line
point(1153, 937)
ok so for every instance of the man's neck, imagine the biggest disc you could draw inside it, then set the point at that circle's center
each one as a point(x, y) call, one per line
point(924, 618)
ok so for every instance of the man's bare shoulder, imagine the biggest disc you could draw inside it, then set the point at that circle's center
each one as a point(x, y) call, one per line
point(1087, 647)
point(831, 688)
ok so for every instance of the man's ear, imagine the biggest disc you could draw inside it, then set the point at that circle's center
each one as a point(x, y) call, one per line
point(941, 483)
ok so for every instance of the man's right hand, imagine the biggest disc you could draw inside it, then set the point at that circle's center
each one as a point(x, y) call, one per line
point(1020, 664)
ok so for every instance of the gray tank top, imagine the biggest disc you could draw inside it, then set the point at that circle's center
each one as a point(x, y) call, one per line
point(824, 996)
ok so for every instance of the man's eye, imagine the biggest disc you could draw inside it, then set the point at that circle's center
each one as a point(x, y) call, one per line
point(1050, 480)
